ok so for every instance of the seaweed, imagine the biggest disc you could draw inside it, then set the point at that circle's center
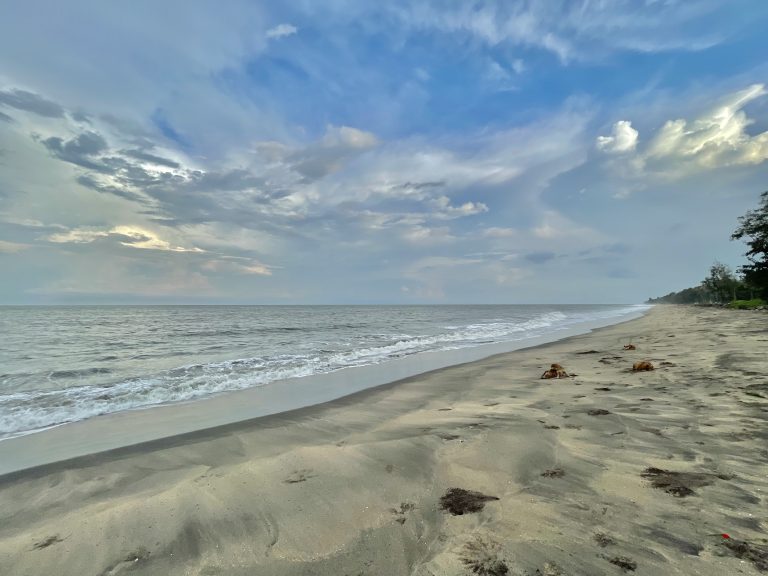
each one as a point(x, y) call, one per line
point(458, 501)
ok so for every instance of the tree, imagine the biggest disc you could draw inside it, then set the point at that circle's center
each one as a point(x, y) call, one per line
point(721, 282)
point(753, 230)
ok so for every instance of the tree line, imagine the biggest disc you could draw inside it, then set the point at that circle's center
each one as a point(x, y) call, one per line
point(748, 286)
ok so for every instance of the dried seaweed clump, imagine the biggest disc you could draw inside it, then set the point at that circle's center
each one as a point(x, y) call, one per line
point(626, 564)
point(555, 371)
point(483, 557)
point(604, 540)
point(643, 366)
point(458, 501)
point(680, 484)
point(744, 550)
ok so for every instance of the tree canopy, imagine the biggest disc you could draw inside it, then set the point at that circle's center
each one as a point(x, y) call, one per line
point(722, 285)
point(753, 230)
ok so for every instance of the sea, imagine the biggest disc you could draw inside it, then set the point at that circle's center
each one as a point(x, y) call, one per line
point(61, 364)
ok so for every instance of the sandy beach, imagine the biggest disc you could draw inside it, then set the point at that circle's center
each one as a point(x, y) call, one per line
point(605, 472)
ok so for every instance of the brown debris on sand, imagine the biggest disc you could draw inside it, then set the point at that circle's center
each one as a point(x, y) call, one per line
point(680, 484)
point(630, 347)
point(604, 540)
point(458, 501)
point(553, 473)
point(598, 412)
point(483, 557)
point(555, 371)
point(626, 564)
point(744, 550)
point(642, 366)
point(550, 569)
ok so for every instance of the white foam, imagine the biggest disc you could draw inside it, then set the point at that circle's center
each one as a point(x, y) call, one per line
point(27, 411)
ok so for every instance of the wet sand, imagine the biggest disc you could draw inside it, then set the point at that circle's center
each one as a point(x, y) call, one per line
point(605, 472)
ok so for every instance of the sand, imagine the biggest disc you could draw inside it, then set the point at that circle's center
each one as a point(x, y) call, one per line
point(606, 472)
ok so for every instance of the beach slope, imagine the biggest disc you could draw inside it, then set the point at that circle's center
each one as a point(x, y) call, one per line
point(606, 472)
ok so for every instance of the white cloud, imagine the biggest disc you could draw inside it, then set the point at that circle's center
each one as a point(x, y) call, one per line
point(131, 236)
point(425, 235)
point(349, 137)
point(717, 138)
point(445, 211)
point(495, 232)
point(247, 266)
point(573, 30)
point(281, 31)
point(714, 139)
point(11, 247)
point(623, 139)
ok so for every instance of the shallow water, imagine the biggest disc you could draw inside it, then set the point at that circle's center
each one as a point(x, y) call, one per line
point(67, 363)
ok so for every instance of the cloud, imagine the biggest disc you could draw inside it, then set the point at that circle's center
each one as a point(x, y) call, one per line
point(622, 139)
point(574, 30)
point(445, 211)
point(151, 158)
point(130, 236)
point(79, 150)
point(281, 31)
point(11, 247)
point(31, 102)
point(338, 145)
point(540, 257)
point(717, 138)
point(497, 232)
point(238, 266)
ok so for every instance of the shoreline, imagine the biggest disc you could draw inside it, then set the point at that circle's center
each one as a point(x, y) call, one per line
point(354, 485)
point(147, 425)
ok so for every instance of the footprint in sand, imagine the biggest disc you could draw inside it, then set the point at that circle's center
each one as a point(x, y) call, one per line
point(299, 476)
point(55, 539)
point(400, 513)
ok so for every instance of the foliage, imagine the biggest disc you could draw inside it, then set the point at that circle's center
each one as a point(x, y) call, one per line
point(753, 230)
point(696, 295)
point(746, 304)
point(721, 283)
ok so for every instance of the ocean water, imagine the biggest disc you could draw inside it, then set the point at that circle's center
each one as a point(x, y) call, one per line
point(61, 364)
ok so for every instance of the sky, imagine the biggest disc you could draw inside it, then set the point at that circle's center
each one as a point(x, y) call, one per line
point(361, 152)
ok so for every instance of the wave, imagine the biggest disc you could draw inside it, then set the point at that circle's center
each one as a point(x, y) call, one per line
point(26, 411)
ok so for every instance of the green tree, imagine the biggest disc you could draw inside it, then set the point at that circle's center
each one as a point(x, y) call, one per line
point(721, 283)
point(753, 230)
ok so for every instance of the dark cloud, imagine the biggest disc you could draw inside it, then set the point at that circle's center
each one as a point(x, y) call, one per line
point(31, 102)
point(5, 118)
point(79, 150)
point(80, 117)
point(229, 180)
point(421, 185)
point(540, 257)
point(90, 182)
point(142, 155)
point(315, 162)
